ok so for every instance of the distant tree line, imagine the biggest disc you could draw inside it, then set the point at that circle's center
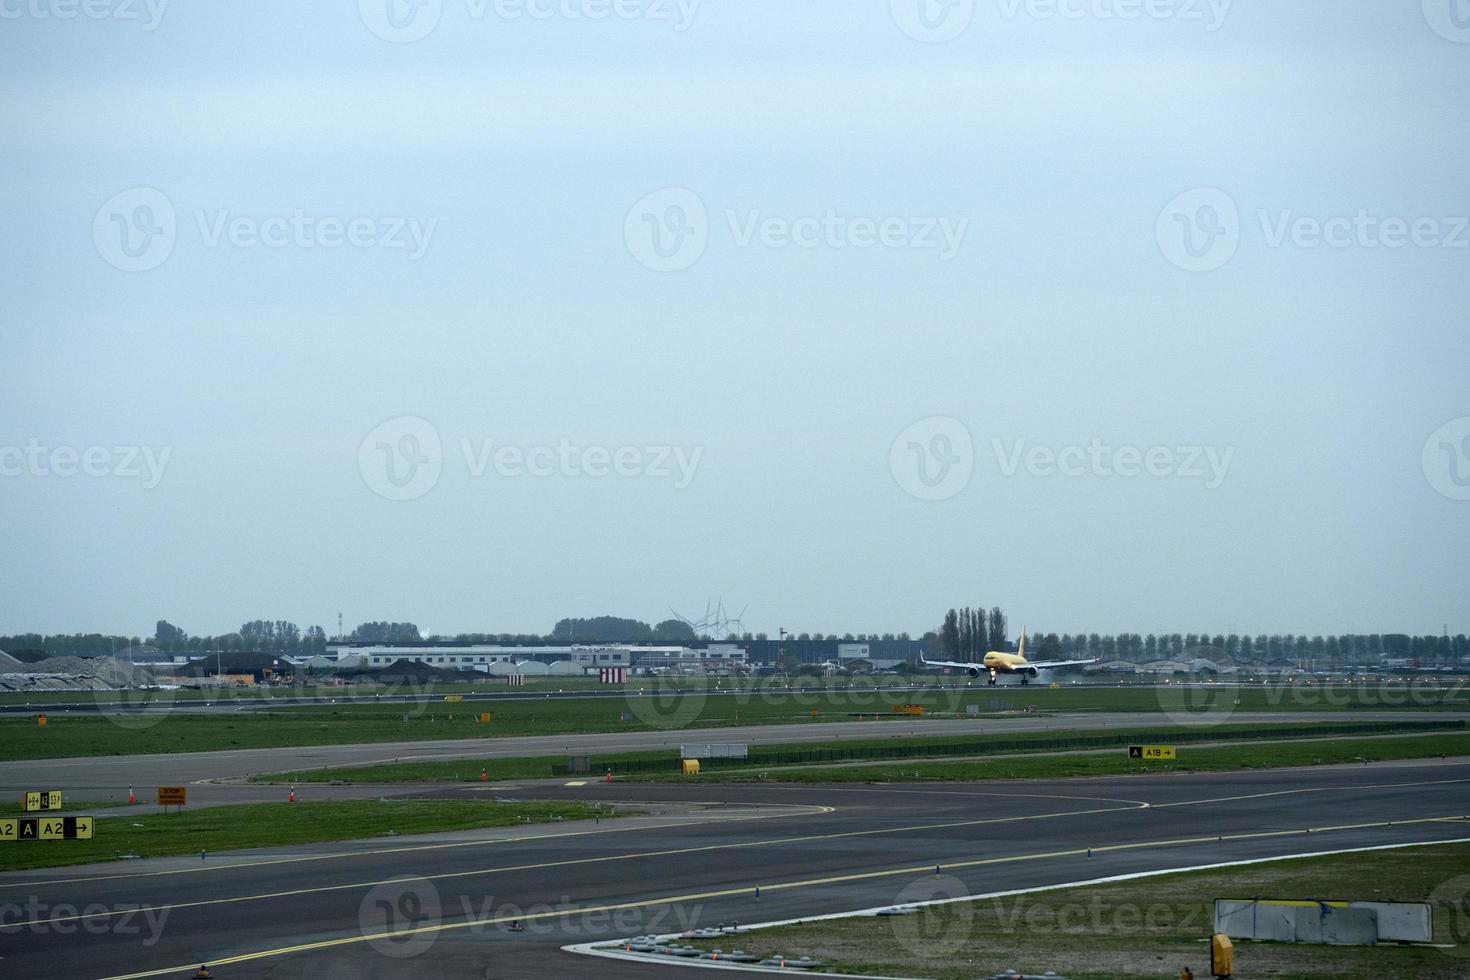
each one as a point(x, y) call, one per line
point(615, 629)
point(1342, 649)
point(265, 635)
point(965, 634)
point(386, 633)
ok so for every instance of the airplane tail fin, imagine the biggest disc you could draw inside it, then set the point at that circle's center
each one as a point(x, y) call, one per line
point(1021, 651)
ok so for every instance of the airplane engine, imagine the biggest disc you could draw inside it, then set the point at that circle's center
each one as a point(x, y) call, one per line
point(974, 671)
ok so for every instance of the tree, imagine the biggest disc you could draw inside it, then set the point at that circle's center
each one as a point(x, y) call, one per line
point(386, 633)
point(949, 635)
point(674, 631)
point(998, 630)
point(602, 629)
point(166, 634)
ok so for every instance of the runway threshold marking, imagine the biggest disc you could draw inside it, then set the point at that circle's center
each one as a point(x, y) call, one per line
point(924, 869)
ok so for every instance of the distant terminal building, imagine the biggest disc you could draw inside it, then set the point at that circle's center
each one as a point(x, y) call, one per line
point(573, 659)
point(711, 656)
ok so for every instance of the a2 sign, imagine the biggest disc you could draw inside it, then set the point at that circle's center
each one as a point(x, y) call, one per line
point(45, 828)
point(49, 799)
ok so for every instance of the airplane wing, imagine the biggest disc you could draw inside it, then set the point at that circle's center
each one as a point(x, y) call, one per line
point(953, 664)
point(1059, 664)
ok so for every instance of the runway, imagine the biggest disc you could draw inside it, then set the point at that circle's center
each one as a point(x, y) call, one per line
point(100, 778)
point(330, 910)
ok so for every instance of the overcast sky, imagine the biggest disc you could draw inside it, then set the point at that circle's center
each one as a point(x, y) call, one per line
point(480, 314)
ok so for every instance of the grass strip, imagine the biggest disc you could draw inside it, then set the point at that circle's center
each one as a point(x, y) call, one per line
point(252, 825)
point(663, 764)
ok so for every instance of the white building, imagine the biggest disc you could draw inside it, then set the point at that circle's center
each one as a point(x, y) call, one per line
point(481, 657)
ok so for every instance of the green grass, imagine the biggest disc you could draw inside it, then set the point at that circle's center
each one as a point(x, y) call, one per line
point(1271, 755)
point(765, 757)
point(69, 735)
point(1142, 929)
point(277, 824)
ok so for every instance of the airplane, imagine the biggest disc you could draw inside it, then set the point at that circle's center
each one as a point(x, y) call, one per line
point(1007, 663)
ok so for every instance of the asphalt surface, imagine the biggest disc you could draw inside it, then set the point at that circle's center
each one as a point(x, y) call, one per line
point(334, 910)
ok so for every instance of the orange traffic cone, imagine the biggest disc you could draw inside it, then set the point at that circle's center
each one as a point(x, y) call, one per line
point(484, 776)
point(131, 797)
point(292, 797)
point(608, 777)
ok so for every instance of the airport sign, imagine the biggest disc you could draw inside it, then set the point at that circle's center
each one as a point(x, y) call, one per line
point(173, 795)
point(1153, 753)
point(45, 828)
point(34, 800)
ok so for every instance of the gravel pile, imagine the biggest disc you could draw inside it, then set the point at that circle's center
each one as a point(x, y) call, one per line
point(73, 674)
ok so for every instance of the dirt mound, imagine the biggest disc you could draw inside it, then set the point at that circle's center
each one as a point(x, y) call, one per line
point(74, 674)
point(409, 670)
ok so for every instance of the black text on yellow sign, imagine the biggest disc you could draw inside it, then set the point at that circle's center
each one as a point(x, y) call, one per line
point(1155, 753)
point(49, 799)
point(173, 795)
point(45, 828)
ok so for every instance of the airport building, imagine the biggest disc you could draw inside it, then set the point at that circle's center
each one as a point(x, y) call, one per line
point(566, 659)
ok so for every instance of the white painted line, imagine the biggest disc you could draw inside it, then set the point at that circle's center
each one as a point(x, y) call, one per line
point(590, 949)
point(611, 951)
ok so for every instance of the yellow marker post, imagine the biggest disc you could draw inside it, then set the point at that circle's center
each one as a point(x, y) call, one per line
point(1222, 955)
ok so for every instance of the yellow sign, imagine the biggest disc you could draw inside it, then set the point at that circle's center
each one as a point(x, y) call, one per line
point(40, 721)
point(908, 709)
point(454, 698)
point(173, 795)
point(45, 800)
point(690, 767)
point(484, 717)
point(45, 828)
point(1153, 753)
